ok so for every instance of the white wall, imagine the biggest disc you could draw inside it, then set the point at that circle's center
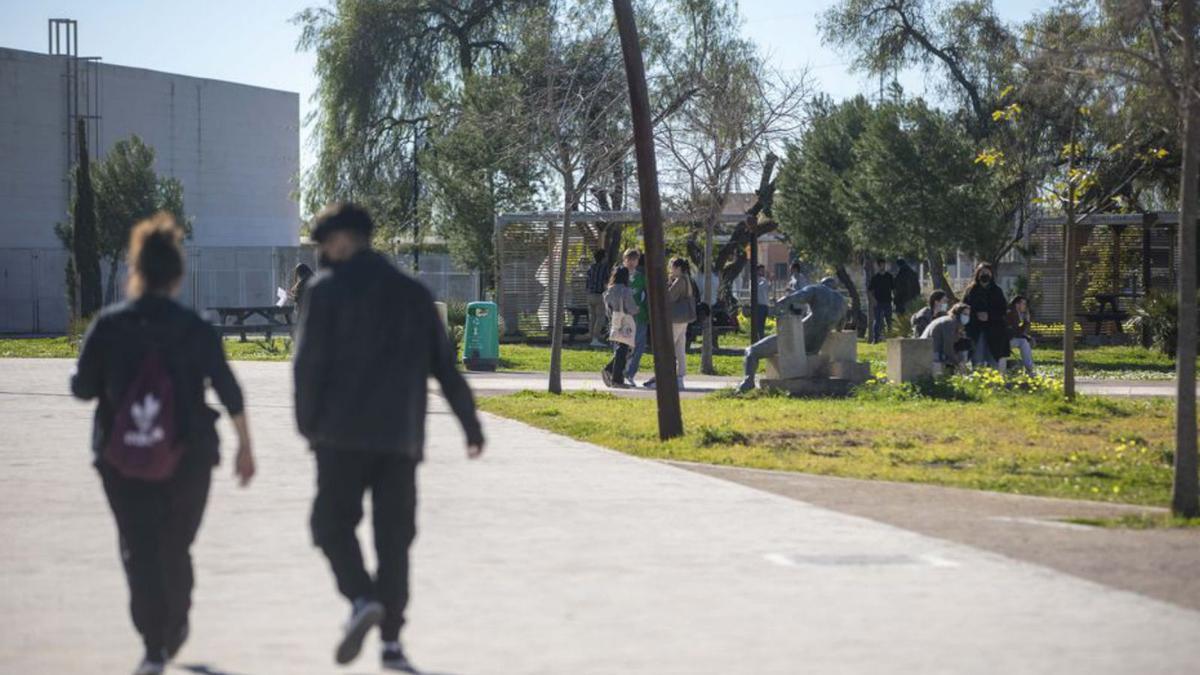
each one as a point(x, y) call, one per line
point(235, 149)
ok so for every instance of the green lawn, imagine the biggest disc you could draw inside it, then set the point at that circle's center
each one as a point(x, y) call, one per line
point(1126, 363)
point(1035, 443)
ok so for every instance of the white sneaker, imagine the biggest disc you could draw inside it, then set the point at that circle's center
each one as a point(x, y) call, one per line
point(149, 667)
point(631, 382)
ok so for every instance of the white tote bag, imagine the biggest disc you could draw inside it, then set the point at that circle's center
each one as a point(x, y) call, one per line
point(624, 328)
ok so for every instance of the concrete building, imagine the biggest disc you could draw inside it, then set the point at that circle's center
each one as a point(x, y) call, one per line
point(235, 149)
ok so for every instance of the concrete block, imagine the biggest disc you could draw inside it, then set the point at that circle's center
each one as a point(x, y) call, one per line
point(443, 314)
point(909, 359)
point(853, 371)
point(792, 360)
point(841, 345)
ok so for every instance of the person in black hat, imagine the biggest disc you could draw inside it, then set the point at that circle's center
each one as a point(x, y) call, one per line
point(369, 338)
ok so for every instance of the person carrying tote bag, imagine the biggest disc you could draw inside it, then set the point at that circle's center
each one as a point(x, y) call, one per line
point(622, 310)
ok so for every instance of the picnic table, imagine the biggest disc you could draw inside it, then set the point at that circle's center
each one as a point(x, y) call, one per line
point(1098, 318)
point(276, 318)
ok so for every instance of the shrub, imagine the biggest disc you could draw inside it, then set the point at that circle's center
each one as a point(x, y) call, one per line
point(1159, 313)
point(456, 313)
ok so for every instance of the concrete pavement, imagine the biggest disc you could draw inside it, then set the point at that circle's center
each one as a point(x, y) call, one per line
point(548, 556)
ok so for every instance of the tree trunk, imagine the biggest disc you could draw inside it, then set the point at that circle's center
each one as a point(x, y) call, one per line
point(860, 319)
point(937, 272)
point(110, 295)
point(706, 350)
point(1069, 297)
point(560, 292)
point(670, 417)
point(1185, 497)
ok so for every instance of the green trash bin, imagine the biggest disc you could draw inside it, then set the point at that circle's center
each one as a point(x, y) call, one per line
point(481, 337)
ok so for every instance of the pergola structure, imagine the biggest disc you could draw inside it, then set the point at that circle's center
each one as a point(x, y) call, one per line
point(1119, 259)
point(527, 252)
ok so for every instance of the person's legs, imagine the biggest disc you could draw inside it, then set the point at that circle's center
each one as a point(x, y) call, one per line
point(336, 512)
point(1022, 345)
point(876, 322)
point(617, 365)
point(596, 316)
point(679, 334)
point(639, 347)
point(187, 498)
point(394, 514)
point(759, 316)
point(764, 348)
point(981, 355)
point(139, 509)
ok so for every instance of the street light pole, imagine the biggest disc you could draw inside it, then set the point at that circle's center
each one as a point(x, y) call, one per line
point(670, 420)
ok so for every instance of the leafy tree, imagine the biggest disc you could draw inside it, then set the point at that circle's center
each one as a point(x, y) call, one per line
point(914, 183)
point(390, 77)
point(813, 171)
point(127, 191)
point(84, 294)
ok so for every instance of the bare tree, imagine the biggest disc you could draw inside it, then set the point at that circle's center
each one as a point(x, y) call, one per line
point(1151, 44)
point(727, 129)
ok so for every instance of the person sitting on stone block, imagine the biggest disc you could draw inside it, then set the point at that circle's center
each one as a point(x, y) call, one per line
point(948, 333)
point(826, 310)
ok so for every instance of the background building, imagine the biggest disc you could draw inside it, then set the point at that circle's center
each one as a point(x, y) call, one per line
point(235, 149)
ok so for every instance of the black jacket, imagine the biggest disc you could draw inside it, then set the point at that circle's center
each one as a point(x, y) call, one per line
point(369, 337)
point(113, 350)
point(882, 286)
point(989, 299)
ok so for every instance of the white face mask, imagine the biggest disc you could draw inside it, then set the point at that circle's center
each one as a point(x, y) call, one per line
point(964, 318)
point(943, 306)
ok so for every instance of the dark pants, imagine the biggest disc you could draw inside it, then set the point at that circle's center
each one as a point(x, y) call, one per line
point(616, 365)
point(156, 524)
point(342, 478)
point(883, 316)
point(760, 321)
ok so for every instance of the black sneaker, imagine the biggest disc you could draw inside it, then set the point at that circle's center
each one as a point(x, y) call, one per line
point(393, 658)
point(176, 640)
point(366, 615)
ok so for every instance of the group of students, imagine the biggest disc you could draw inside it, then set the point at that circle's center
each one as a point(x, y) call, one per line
point(628, 313)
point(368, 339)
point(891, 293)
point(980, 330)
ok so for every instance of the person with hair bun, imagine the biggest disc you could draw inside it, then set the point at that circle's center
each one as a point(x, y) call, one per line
point(147, 361)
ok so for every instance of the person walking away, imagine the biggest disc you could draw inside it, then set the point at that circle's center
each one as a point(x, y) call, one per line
point(760, 300)
point(147, 360)
point(947, 333)
point(637, 283)
point(797, 279)
point(681, 302)
point(597, 277)
point(369, 339)
point(937, 306)
point(908, 286)
point(988, 331)
point(881, 286)
point(622, 309)
point(1019, 336)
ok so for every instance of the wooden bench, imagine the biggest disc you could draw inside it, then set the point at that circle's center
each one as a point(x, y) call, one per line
point(277, 319)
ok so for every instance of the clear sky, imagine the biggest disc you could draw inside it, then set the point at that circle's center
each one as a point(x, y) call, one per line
point(254, 42)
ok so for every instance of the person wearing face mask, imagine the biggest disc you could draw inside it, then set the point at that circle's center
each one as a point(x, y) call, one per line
point(1018, 331)
point(938, 306)
point(948, 332)
point(988, 331)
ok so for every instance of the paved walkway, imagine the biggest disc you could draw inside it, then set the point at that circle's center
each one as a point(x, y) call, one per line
point(549, 556)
